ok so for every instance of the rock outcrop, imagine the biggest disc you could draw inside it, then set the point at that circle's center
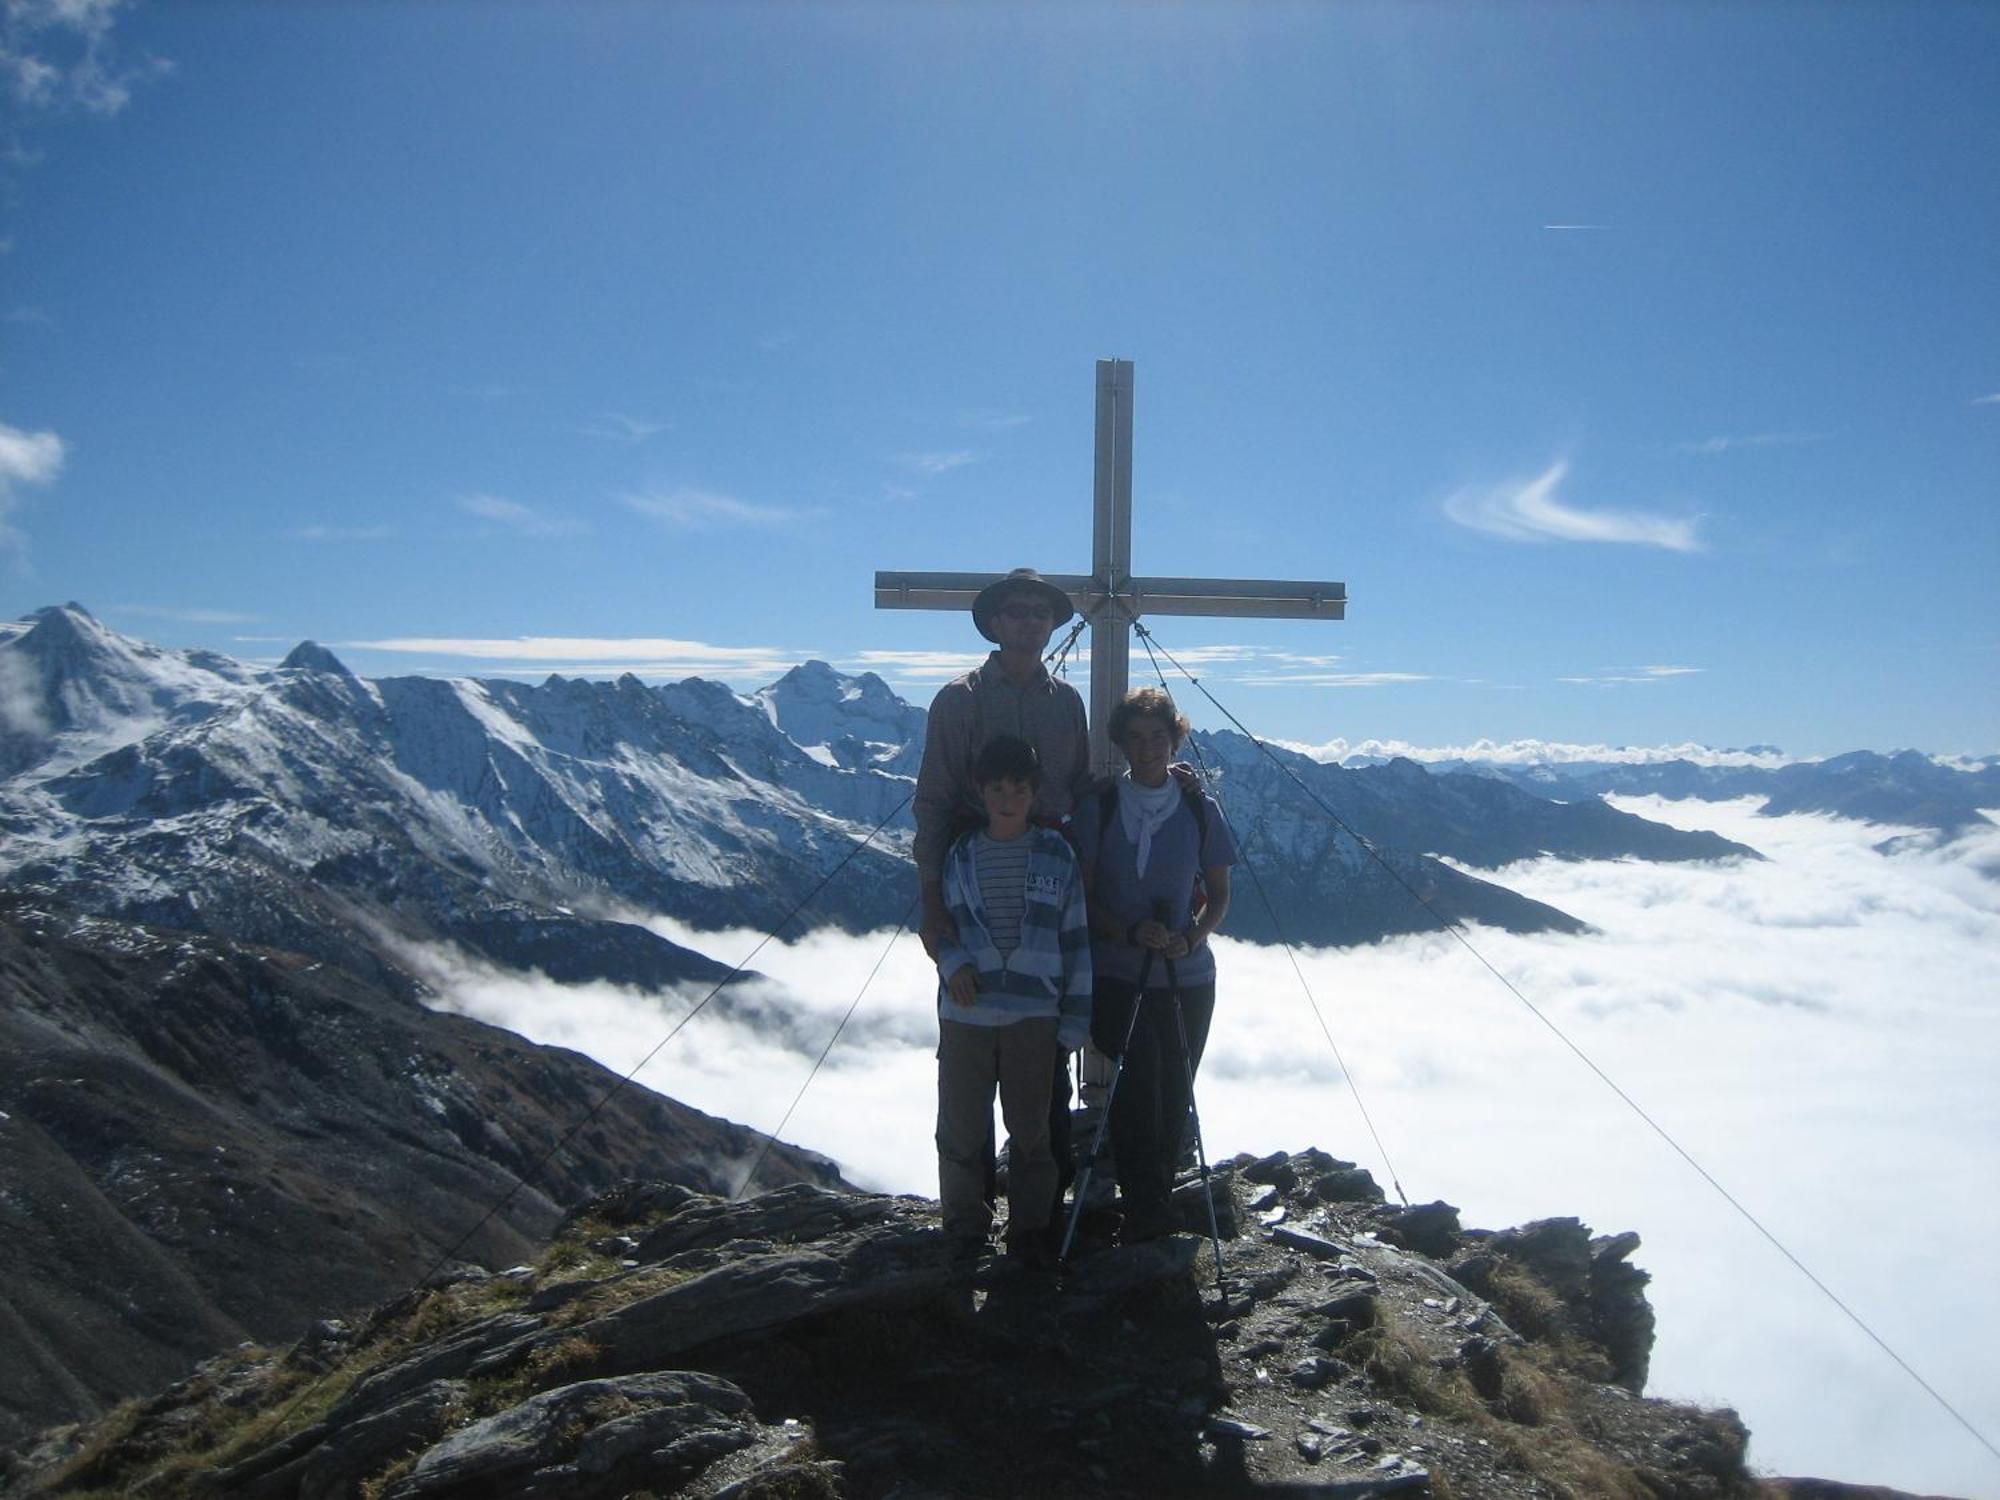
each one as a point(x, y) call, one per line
point(812, 1342)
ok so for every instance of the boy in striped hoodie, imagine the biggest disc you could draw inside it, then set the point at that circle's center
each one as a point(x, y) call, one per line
point(1013, 991)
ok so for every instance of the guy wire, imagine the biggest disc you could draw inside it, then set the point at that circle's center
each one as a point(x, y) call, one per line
point(1060, 656)
point(772, 1139)
point(1605, 1078)
point(1270, 907)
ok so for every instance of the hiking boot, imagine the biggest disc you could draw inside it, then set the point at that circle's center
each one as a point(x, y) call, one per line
point(964, 1249)
point(1032, 1249)
point(1145, 1224)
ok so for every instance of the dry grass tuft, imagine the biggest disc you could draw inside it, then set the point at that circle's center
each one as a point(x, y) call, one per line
point(1535, 1425)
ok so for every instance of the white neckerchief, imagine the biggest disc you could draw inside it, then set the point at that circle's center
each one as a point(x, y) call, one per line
point(1142, 809)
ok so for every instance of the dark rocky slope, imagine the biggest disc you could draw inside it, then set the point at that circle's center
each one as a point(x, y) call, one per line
point(202, 1143)
point(812, 1343)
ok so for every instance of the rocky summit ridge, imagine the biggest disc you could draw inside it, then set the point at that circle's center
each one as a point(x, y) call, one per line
point(813, 1342)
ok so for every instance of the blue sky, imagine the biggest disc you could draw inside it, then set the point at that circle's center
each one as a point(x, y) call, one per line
point(1636, 367)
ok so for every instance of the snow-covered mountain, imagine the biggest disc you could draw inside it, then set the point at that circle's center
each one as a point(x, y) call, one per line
point(304, 808)
point(852, 722)
point(69, 689)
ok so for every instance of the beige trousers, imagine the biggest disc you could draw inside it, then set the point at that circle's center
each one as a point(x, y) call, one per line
point(1021, 1059)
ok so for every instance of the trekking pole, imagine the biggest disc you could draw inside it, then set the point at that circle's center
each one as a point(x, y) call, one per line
point(1103, 1125)
point(1200, 1152)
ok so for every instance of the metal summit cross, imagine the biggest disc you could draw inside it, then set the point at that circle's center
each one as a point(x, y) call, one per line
point(1109, 597)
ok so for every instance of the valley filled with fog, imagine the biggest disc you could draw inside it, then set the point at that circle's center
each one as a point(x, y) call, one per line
point(1816, 1030)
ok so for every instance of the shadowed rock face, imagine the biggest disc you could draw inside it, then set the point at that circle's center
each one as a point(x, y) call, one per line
point(812, 1342)
point(202, 1143)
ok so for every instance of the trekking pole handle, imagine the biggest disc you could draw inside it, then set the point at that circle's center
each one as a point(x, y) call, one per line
point(1163, 913)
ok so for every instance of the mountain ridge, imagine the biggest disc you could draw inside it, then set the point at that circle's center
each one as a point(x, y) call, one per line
point(278, 805)
point(179, 1114)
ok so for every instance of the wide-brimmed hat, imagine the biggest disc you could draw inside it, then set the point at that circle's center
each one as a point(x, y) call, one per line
point(1021, 580)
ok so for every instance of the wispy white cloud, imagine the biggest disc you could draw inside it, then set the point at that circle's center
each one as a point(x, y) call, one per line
point(1575, 226)
point(57, 55)
point(22, 710)
point(595, 656)
point(916, 666)
point(516, 517)
point(1225, 655)
point(1992, 400)
point(993, 421)
point(26, 458)
point(27, 315)
point(1529, 511)
point(184, 615)
point(933, 464)
point(1248, 666)
point(1716, 445)
point(772, 342)
point(490, 391)
point(1333, 679)
point(1630, 676)
point(706, 510)
point(618, 426)
point(1260, 666)
point(326, 533)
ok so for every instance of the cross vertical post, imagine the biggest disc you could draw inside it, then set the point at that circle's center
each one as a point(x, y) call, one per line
point(1110, 555)
point(1109, 597)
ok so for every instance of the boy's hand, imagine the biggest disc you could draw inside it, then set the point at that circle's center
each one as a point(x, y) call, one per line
point(1151, 934)
point(964, 985)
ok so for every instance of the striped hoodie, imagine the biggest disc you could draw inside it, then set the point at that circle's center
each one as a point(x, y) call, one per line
point(1049, 973)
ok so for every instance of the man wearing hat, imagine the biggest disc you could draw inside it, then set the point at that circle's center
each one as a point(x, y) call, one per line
point(1011, 693)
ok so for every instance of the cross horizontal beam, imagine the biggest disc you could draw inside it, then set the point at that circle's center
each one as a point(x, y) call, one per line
point(1243, 598)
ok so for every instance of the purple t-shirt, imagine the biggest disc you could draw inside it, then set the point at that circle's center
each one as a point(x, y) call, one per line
point(1179, 850)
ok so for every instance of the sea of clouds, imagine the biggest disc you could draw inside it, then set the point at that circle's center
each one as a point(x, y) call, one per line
point(1818, 1031)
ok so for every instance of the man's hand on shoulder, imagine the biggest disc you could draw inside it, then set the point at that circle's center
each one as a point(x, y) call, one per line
point(937, 929)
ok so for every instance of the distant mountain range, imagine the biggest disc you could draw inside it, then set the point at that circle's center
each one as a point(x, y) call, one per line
point(535, 825)
point(1905, 787)
point(1902, 787)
